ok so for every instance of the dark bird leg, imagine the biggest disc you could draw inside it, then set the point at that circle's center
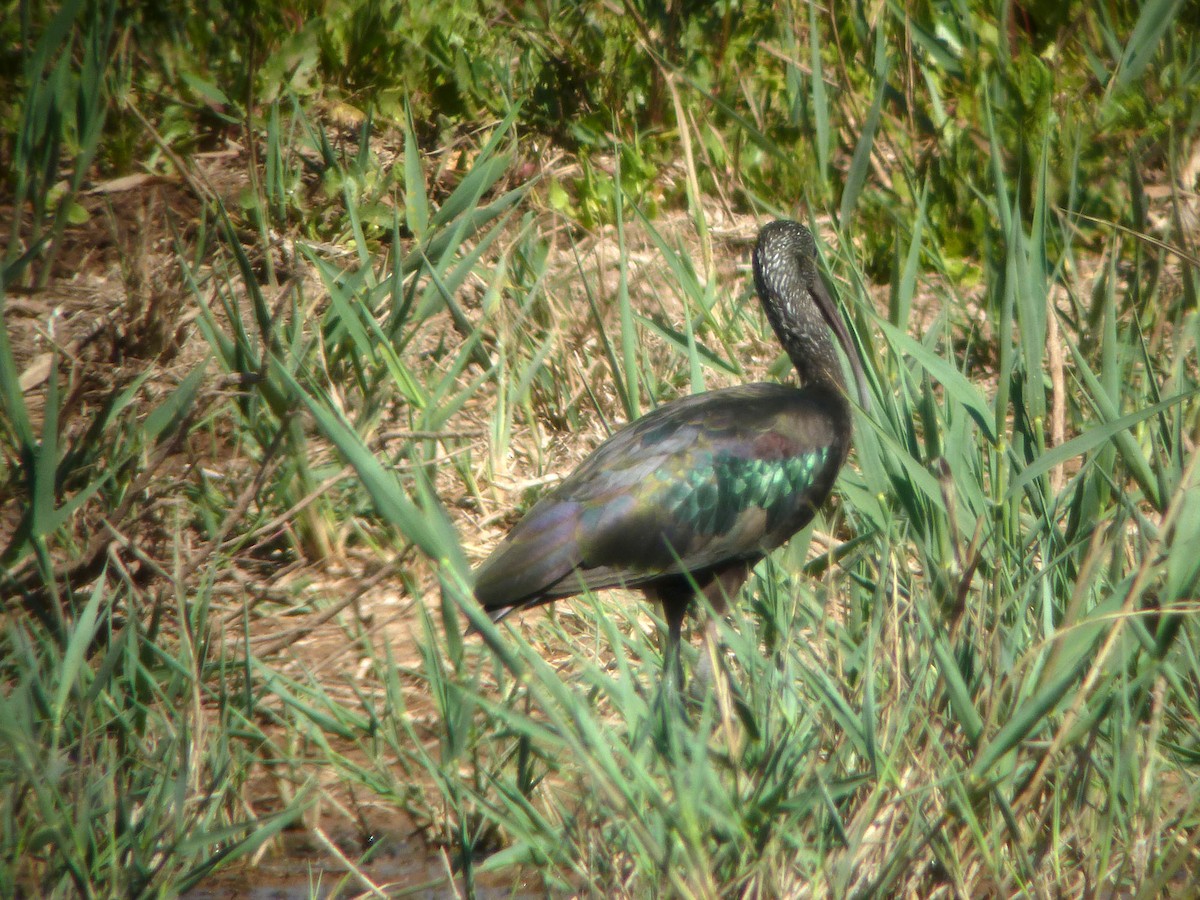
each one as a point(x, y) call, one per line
point(676, 595)
point(668, 704)
point(674, 598)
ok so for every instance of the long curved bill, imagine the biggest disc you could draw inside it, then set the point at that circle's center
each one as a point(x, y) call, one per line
point(835, 321)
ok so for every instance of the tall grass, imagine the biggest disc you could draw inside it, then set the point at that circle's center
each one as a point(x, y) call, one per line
point(974, 674)
point(997, 703)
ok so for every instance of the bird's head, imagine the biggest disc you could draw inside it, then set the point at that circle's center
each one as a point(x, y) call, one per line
point(799, 306)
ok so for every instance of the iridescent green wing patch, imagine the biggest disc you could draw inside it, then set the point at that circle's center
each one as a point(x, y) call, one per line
point(712, 497)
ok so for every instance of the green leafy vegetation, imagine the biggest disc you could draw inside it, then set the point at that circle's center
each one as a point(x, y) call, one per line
point(302, 306)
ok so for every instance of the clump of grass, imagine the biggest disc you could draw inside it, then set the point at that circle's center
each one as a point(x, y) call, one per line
point(117, 781)
point(1013, 628)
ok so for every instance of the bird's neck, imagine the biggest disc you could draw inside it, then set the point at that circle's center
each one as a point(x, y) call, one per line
point(809, 346)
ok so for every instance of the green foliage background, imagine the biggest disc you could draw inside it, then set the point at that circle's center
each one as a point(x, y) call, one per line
point(976, 675)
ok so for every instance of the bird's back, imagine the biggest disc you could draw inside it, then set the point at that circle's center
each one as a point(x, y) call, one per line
point(701, 482)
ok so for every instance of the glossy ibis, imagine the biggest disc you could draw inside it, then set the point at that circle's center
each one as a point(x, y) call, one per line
point(690, 496)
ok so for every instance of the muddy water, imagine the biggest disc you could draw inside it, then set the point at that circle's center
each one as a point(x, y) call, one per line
point(398, 867)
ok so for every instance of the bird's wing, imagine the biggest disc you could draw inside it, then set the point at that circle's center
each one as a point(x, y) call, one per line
point(710, 479)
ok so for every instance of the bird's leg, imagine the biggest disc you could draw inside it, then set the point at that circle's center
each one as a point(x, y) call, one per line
point(675, 604)
point(668, 705)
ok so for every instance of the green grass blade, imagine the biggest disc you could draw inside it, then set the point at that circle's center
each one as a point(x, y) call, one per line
point(426, 526)
point(1090, 440)
point(820, 101)
point(416, 202)
point(958, 388)
point(1155, 19)
point(16, 414)
point(860, 162)
point(79, 645)
point(169, 415)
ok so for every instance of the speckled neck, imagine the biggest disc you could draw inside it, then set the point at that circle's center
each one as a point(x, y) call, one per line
point(784, 275)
